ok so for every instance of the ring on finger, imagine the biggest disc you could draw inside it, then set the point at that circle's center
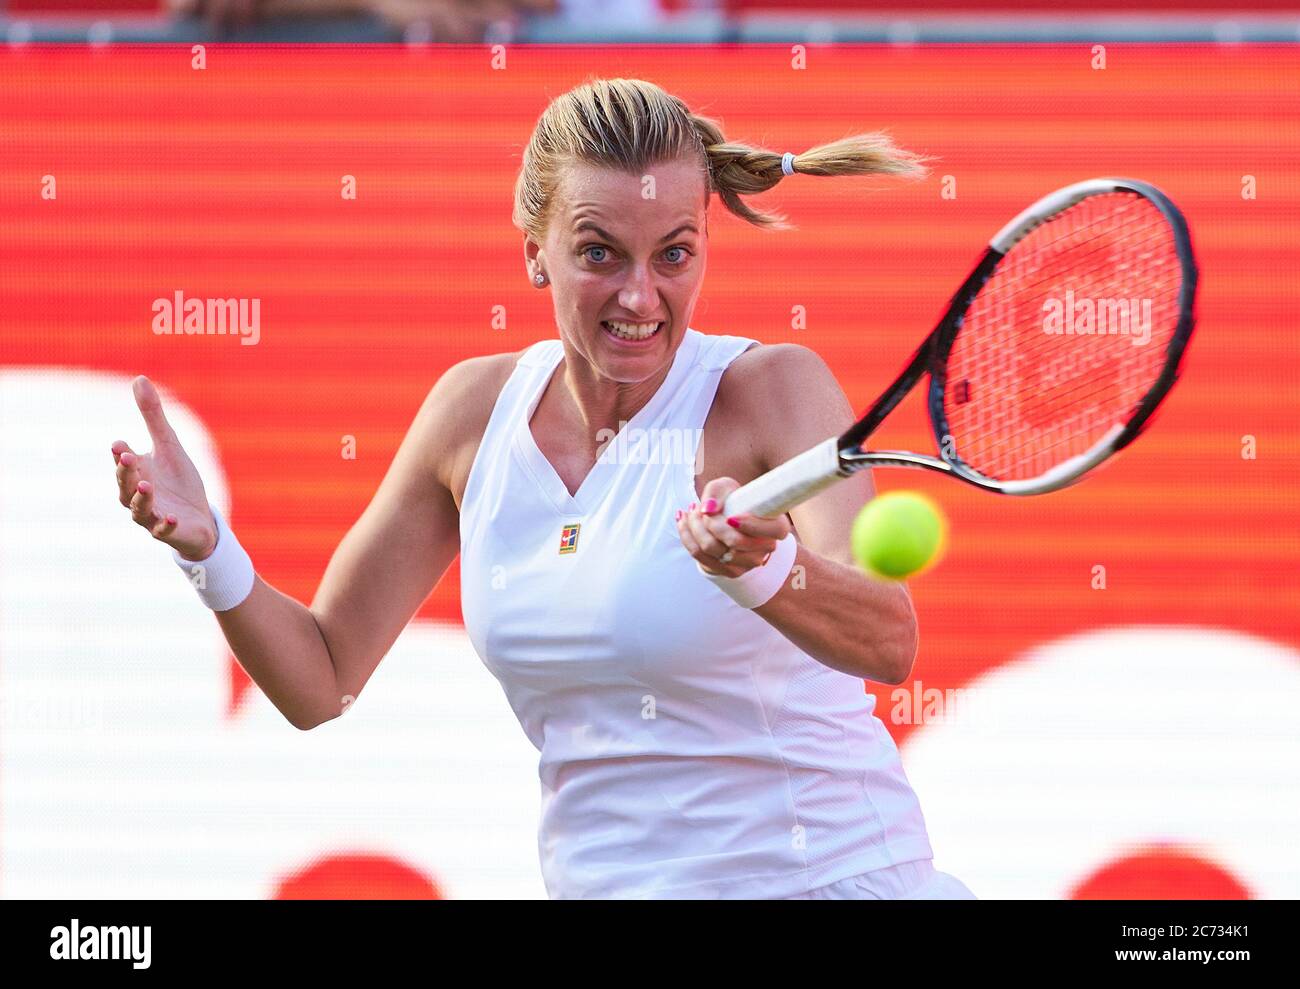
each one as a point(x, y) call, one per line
point(727, 556)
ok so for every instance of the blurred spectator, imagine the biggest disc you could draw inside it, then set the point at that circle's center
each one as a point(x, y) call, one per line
point(434, 20)
point(611, 13)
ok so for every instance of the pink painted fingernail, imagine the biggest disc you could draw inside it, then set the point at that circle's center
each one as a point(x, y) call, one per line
point(679, 516)
point(691, 507)
point(733, 522)
point(710, 506)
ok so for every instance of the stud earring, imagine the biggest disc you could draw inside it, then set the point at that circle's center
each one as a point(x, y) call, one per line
point(539, 279)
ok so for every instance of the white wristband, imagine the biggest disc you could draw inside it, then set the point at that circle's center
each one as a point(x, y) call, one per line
point(225, 578)
point(757, 586)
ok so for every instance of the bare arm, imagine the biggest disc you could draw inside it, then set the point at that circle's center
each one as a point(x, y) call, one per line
point(836, 613)
point(403, 543)
point(307, 660)
point(847, 620)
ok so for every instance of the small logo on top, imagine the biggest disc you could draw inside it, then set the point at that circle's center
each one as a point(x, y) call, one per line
point(569, 538)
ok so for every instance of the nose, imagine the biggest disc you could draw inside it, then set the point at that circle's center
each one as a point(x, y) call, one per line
point(639, 294)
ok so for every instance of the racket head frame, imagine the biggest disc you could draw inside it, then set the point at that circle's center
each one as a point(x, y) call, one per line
point(932, 356)
point(798, 479)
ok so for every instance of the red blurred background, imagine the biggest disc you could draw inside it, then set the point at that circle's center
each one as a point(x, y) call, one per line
point(225, 182)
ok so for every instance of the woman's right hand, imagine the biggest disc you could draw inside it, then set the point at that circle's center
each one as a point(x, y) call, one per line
point(162, 488)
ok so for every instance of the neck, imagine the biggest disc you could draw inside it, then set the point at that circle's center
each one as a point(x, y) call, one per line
point(599, 405)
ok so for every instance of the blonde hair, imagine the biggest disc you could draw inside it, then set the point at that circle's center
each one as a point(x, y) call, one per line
point(630, 124)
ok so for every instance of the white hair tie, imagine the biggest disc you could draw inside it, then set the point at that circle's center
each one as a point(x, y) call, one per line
point(787, 163)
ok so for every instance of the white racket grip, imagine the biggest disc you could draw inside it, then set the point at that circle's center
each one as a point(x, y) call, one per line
point(794, 481)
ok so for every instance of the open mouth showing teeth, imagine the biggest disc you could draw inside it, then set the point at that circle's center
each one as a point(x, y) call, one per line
point(631, 331)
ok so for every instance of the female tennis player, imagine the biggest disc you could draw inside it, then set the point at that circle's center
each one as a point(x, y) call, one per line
point(693, 683)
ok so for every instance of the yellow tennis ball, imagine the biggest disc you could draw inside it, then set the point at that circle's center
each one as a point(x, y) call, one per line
point(898, 534)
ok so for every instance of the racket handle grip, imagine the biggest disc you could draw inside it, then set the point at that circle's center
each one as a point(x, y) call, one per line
point(788, 484)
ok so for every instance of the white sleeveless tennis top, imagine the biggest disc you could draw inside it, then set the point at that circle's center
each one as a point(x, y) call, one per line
point(688, 748)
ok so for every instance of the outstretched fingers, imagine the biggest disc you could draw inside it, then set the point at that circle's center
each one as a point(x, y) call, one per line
point(141, 505)
point(128, 472)
point(144, 513)
point(165, 526)
point(150, 406)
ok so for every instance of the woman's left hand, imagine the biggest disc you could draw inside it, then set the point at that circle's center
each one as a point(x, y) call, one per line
point(709, 536)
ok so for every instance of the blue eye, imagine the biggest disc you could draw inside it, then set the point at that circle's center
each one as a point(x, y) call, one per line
point(604, 250)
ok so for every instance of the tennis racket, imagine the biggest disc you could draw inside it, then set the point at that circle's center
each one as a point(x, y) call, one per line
point(1051, 357)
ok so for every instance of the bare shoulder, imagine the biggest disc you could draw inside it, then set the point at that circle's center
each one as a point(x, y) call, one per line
point(786, 396)
point(456, 412)
point(464, 383)
point(768, 361)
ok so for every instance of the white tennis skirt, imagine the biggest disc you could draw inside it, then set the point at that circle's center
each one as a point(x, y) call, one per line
point(917, 880)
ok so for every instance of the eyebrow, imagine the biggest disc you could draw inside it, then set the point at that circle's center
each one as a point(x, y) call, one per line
point(590, 225)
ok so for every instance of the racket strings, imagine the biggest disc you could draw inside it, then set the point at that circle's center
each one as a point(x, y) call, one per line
point(1065, 339)
point(1060, 393)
